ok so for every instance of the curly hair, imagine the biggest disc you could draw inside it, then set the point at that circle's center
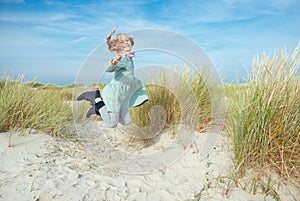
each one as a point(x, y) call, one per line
point(113, 43)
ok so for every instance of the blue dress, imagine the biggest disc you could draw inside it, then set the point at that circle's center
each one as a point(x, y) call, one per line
point(124, 90)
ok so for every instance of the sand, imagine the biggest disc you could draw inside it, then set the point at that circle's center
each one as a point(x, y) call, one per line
point(104, 164)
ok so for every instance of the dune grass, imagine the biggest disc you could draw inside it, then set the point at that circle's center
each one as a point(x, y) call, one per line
point(174, 99)
point(27, 107)
point(264, 117)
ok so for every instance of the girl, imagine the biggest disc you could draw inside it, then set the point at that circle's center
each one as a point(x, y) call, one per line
point(123, 91)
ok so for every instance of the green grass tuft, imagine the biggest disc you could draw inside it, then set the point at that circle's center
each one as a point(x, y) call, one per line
point(174, 99)
point(264, 116)
point(25, 107)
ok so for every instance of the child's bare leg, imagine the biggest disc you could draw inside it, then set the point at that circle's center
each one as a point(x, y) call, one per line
point(97, 100)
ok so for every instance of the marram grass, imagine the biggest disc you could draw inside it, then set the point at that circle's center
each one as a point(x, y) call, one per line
point(180, 98)
point(264, 116)
point(25, 107)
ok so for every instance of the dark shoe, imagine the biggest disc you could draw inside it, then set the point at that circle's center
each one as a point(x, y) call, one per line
point(87, 95)
point(91, 111)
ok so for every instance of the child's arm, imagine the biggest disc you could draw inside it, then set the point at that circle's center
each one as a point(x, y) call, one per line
point(113, 63)
point(116, 64)
point(117, 59)
point(110, 68)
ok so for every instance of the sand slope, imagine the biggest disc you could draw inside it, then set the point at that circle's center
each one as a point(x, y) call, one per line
point(39, 167)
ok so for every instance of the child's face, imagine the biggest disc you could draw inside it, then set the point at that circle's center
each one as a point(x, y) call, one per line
point(124, 43)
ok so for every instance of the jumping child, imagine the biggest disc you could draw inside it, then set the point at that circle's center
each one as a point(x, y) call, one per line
point(123, 91)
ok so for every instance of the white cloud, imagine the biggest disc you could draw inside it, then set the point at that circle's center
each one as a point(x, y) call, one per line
point(78, 40)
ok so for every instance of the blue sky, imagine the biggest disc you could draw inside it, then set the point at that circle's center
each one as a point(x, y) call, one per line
point(49, 40)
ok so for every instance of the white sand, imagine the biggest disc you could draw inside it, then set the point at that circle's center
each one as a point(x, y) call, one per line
point(39, 167)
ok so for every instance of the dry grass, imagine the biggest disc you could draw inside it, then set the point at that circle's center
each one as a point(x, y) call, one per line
point(175, 98)
point(264, 117)
point(25, 107)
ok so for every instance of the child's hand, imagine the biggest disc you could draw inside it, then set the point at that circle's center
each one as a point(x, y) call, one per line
point(116, 59)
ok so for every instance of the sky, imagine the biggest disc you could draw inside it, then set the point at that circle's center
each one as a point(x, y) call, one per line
point(48, 41)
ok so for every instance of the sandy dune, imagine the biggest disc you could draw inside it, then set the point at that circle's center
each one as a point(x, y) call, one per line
point(108, 167)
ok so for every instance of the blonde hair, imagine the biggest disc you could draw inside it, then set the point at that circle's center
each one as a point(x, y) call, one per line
point(113, 43)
